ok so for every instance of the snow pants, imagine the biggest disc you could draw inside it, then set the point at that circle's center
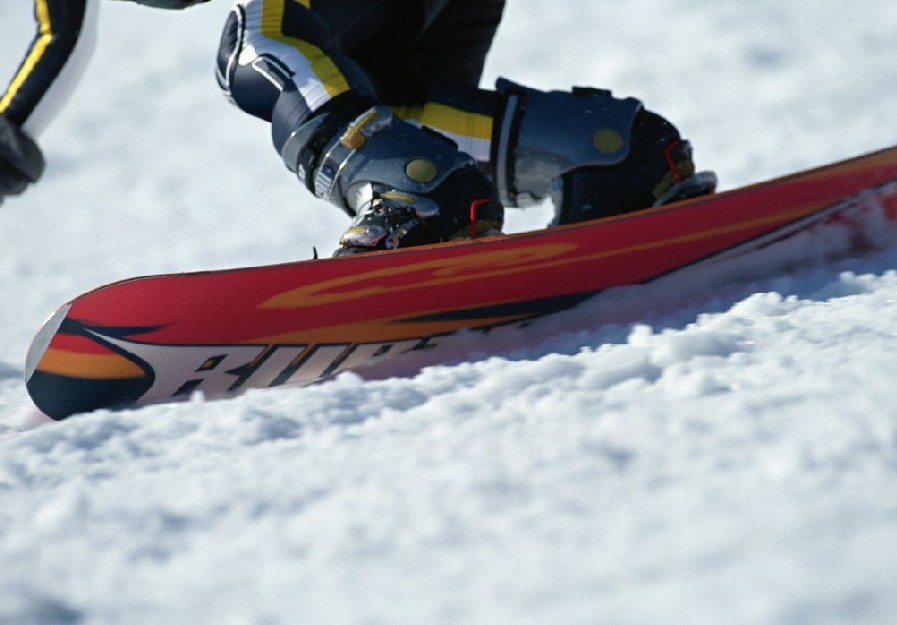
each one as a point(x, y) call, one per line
point(424, 58)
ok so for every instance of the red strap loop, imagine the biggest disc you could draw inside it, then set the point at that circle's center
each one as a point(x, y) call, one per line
point(474, 206)
point(668, 153)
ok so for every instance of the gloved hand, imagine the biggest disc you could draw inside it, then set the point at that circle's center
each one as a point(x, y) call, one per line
point(406, 185)
point(169, 4)
point(21, 161)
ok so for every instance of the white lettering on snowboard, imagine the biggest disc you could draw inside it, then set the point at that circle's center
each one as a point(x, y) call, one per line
point(221, 370)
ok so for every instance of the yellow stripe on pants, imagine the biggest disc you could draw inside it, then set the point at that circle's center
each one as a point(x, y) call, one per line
point(322, 66)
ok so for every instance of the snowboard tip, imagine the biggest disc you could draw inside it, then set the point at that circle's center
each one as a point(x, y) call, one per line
point(42, 338)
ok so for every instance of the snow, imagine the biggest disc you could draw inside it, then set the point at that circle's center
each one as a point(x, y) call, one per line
point(720, 456)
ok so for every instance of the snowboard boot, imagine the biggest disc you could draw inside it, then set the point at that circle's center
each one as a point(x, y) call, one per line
point(404, 185)
point(595, 155)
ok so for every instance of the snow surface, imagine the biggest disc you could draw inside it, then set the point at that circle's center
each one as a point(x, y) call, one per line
point(727, 457)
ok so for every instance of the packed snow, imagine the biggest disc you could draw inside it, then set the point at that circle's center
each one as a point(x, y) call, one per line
point(725, 456)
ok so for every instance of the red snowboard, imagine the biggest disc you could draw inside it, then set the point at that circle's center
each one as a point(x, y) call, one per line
point(159, 338)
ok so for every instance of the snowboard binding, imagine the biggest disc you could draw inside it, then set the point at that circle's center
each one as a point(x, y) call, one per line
point(395, 220)
point(404, 185)
point(595, 155)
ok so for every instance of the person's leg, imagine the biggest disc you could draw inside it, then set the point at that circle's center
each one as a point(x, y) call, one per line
point(293, 63)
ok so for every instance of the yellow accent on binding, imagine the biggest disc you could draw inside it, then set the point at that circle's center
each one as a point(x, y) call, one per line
point(354, 137)
point(607, 141)
point(684, 168)
point(38, 47)
point(323, 67)
point(421, 170)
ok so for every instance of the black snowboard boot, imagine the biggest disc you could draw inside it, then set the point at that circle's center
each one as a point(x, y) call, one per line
point(594, 154)
point(658, 170)
point(404, 185)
